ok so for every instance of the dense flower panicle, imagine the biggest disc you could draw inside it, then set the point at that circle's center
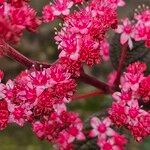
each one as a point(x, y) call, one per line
point(107, 138)
point(137, 29)
point(15, 16)
point(81, 36)
point(126, 110)
point(39, 97)
point(61, 128)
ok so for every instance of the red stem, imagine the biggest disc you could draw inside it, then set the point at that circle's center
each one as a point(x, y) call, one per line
point(96, 83)
point(14, 54)
point(121, 64)
point(88, 95)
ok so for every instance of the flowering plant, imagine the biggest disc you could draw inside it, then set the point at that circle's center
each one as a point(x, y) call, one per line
point(40, 94)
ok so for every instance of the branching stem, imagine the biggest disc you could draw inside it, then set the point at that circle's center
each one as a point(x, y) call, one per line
point(17, 56)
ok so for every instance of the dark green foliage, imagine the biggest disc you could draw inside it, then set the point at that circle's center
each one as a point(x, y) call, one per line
point(138, 53)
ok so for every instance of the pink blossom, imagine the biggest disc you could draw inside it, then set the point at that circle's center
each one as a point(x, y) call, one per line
point(108, 139)
point(48, 15)
point(104, 50)
point(101, 128)
point(61, 7)
point(19, 115)
point(126, 31)
point(125, 110)
point(15, 16)
point(117, 2)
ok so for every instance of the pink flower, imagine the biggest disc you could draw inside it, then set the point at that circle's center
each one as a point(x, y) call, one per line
point(19, 115)
point(140, 32)
point(101, 128)
point(48, 15)
point(15, 16)
point(104, 50)
point(127, 32)
point(39, 129)
point(117, 2)
point(61, 7)
point(76, 131)
point(143, 17)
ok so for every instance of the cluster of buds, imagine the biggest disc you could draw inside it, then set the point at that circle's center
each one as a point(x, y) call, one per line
point(126, 109)
point(15, 17)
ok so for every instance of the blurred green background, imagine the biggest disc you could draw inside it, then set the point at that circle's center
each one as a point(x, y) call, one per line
point(41, 46)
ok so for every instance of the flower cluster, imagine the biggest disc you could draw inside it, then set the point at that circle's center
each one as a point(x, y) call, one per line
point(81, 36)
point(56, 9)
point(126, 110)
point(137, 29)
point(39, 97)
point(108, 139)
point(15, 16)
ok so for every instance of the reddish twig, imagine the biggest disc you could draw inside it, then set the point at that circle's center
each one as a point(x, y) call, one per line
point(14, 54)
point(17, 56)
point(121, 64)
point(88, 95)
point(96, 83)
